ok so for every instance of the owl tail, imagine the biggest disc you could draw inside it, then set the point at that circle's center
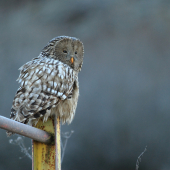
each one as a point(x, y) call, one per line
point(19, 117)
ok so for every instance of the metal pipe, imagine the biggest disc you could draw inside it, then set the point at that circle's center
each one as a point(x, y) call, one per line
point(44, 155)
point(57, 143)
point(26, 130)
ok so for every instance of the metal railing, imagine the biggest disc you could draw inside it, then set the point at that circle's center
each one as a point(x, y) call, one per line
point(46, 152)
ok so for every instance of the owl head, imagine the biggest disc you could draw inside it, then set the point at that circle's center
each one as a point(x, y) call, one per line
point(68, 50)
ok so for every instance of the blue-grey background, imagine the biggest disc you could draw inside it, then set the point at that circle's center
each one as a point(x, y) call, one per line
point(124, 101)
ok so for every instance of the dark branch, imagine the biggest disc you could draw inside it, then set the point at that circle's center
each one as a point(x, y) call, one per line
point(26, 130)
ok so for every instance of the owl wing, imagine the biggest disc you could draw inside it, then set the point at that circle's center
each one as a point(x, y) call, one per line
point(44, 82)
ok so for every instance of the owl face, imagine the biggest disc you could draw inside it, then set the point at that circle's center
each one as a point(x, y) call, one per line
point(68, 50)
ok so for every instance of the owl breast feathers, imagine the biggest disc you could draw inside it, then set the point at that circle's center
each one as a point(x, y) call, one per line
point(49, 83)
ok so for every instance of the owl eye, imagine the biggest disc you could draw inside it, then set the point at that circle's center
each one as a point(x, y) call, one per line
point(64, 51)
point(76, 52)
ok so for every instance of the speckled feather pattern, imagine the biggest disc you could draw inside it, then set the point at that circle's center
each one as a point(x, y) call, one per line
point(47, 87)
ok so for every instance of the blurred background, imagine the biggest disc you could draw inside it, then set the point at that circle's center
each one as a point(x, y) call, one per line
point(124, 83)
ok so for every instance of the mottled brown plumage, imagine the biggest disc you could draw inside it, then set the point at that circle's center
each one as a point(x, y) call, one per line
point(49, 83)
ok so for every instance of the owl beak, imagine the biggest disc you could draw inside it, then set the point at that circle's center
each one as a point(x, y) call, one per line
point(72, 60)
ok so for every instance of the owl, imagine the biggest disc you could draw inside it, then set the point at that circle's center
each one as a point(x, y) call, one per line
point(49, 83)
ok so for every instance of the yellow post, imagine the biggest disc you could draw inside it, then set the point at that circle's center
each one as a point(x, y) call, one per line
point(44, 155)
point(57, 144)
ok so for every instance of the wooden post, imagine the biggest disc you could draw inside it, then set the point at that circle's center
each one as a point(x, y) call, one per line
point(43, 155)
